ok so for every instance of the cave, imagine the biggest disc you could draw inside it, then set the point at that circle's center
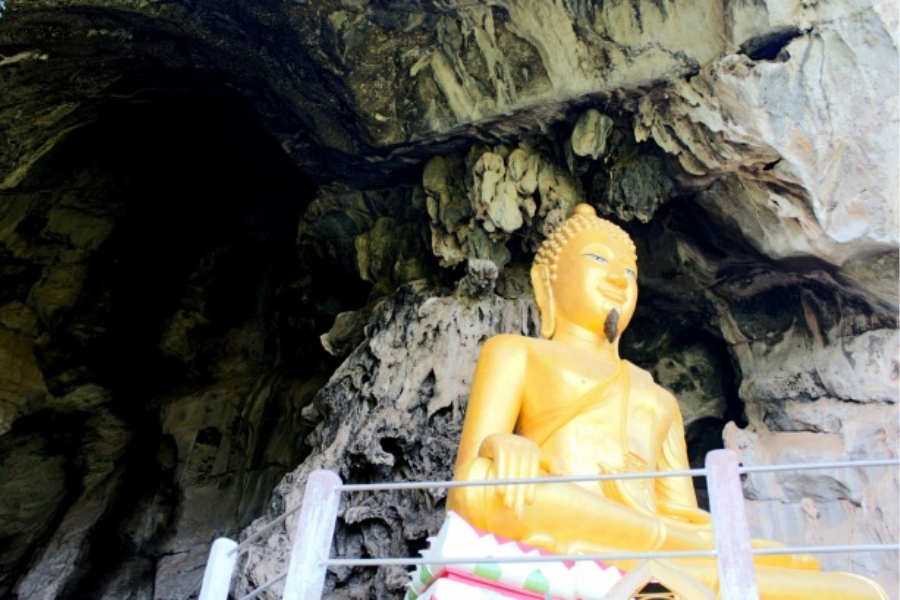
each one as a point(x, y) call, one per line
point(243, 241)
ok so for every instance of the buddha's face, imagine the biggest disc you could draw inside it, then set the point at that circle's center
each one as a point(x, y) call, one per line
point(596, 283)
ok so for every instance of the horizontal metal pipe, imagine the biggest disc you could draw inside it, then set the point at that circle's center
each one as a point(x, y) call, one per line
point(377, 562)
point(886, 462)
point(264, 587)
point(827, 549)
point(416, 485)
point(268, 527)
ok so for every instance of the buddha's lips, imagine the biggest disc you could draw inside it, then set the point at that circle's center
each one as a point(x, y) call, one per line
point(615, 296)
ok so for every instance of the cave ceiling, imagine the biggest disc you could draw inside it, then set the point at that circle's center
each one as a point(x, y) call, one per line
point(362, 93)
point(352, 90)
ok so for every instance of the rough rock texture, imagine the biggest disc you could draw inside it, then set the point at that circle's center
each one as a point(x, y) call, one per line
point(392, 412)
point(23, 389)
point(197, 197)
point(802, 180)
point(823, 391)
point(377, 85)
point(831, 506)
point(476, 204)
point(143, 403)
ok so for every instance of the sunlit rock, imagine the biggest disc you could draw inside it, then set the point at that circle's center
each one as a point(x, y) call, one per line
point(590, 133)
point(414, 367)
point(782, 131)
point(507, 191)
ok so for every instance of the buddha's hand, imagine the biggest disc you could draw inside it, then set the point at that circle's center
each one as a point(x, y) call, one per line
point(512, 457)
point(690, 514)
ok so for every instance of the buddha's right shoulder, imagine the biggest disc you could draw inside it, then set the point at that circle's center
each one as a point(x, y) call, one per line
point(508, 344)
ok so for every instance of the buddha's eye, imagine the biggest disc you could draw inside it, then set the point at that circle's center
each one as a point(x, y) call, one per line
point(597, 257)
point(630, 273)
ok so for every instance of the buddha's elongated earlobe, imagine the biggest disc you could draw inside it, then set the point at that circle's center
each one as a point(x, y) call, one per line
point(543, 295)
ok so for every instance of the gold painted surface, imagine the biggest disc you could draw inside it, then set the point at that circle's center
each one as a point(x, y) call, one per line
point(569, 405)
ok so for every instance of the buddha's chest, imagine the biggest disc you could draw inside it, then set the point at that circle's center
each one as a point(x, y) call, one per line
point(612, 423)
point(610, 438)
point(589, 443)
point(566, 377)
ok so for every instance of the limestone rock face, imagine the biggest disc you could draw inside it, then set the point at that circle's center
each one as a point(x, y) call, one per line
point(475, 205)
point(392, 412)
point(469, 63)
point(831, 506)
point(226, 468)
point(590, 134)
point(819, 393)
point(376, 84)
point(22, 386)
point(785, 132)
point(57, 564)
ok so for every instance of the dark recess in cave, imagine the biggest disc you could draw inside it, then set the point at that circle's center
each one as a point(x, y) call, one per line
point(228, 193)
point(206, 206)
point(771, 45)
point(728, 370)
point(144, 478)
point(42, 438)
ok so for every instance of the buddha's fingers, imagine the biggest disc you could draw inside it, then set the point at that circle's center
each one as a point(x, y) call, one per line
point(509, 491)
point(525, 465)
point(494, 473)
point(531, 468)
point(529, 493)
point(512, 457)
point(551, 464)
point(520, 491)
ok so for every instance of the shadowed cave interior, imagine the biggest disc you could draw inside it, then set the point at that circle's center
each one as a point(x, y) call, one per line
point(206, 208)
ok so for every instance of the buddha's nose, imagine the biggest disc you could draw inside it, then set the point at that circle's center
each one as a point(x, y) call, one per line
point(617, 276)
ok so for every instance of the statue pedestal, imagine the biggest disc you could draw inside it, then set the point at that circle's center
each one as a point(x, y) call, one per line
point(455, 584)
point(569, 580)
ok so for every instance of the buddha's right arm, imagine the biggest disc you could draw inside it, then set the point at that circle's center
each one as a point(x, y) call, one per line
point(493, 409)
point(500, 456)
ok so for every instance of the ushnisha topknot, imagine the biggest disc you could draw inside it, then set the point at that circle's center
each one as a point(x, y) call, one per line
point(585, 217)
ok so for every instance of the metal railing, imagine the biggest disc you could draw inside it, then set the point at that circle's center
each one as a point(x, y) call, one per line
point(309, 559)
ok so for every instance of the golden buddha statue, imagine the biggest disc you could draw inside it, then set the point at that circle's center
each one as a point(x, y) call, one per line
point(568, 405)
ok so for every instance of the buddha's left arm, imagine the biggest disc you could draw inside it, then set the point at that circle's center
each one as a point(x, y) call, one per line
point(678, 491)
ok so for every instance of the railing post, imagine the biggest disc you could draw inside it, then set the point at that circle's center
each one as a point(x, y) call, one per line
point(312, 538)
point(219, 569)
point(737, 577)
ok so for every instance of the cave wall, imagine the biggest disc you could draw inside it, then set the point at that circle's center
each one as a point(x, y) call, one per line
point(235, 239)
point(756, 308)
point(145, 410)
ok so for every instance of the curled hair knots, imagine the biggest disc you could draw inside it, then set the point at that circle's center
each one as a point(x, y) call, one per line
point(584, 218)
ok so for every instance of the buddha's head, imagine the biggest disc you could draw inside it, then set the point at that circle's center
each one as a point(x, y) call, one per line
point(585, 273)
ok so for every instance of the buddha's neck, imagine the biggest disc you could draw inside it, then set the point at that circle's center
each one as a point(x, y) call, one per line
point(585, 339)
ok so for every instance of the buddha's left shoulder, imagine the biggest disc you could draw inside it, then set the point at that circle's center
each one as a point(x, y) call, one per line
point(643, 379)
